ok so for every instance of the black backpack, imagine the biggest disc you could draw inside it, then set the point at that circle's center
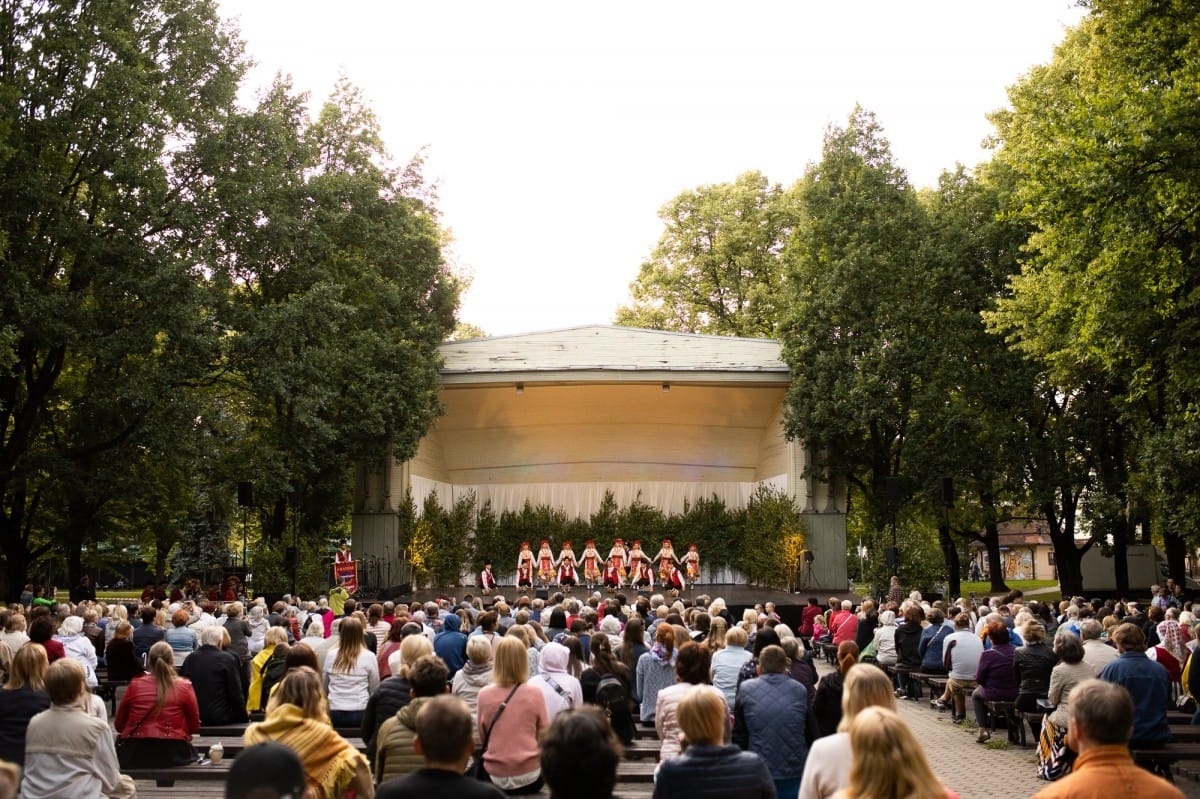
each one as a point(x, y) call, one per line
point(613, 699)
point(272, 672)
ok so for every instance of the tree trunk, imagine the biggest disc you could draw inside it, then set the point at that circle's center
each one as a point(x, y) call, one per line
point(1067, 559)
point(950, 553)
point(1121, 564)
point(1176, 549)
point(991, 539)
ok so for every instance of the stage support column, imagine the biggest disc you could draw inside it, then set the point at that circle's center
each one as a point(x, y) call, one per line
point(823, 505)
point(375, 527)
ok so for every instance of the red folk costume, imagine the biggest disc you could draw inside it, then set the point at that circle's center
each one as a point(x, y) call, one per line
point(643, 575)
point(665, 559)
point(545, 562)
point(591, 563)
point(674, 578)
point(487, 580)
point(691, 563)
point(618, 556)
point(636, 557)
point(566, 566)
point(524, 560)
point(612, 575)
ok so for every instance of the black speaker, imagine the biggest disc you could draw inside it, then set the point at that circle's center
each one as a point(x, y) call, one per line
point(289, 557)
point(808, 556)
point(891, 487)
point(892, 555)
point(245, 494)
point(541, 593)
point(946, 491)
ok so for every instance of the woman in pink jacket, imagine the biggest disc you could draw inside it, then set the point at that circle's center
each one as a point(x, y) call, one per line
point(512, 714)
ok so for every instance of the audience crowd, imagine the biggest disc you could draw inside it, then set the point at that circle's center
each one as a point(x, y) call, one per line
point(452, 698)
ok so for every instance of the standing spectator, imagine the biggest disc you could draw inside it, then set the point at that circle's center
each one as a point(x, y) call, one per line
point(888, 760)
point(895, 594)
point(158, 715)
point(655, 671)
point(69, 752)
point(84, 592)
point(216, 678)
point(580, 755)
point(709, 768)
point(351, 675)
point(149, 633)
point(827, 769)
point(23, 697)
point(811, 611)
point(770, 718)
point(961, 652)
point(394, 753)
point(996, 677)
point(445, 745)
point(451, 644)
point(1147, 683)
point(1100, 722)
point(512, 715)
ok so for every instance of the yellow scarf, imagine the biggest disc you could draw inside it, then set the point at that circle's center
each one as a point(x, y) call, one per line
point(328, 759)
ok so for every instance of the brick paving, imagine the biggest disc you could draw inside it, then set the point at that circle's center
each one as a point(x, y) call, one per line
point(978, 771)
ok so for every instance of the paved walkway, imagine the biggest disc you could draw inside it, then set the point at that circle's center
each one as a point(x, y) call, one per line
point(978, 771)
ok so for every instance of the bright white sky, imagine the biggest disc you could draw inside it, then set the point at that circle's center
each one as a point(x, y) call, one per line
point(554, 131)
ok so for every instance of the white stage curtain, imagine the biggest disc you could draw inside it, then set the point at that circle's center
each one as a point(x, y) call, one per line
point(581, 500)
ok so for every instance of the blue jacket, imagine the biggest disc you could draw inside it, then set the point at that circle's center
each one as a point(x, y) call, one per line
point(931, 647)
point(451, 644)
point(719, 772)
point(770, 717)
point(1150, 686)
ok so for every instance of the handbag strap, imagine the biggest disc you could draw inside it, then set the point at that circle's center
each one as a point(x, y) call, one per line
point(488, 733)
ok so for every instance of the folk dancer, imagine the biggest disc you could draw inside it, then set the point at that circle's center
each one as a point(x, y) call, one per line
point(691, 565)
point(636, 556)
point(619, 557)
point(673, 581)
point(525, 567)
point(343, 554)
point(613, 579)
point(642, 575)
point(487, 580)
point(567, 575)
point(545, 564)
point(665, 559)
point(591, 564)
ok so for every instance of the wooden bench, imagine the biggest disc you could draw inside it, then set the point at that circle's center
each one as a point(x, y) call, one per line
point(1007, 711)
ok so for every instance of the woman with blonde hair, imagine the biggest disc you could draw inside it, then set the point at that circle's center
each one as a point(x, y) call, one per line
point(351, 675)
point(827, 769)
point(298, 718)
point(511, 715)
point(827, 699)
point(709, 767)
point(23, 697)
point(718, 628)
point(888, 760)
point(158, 715)
point(255, 697)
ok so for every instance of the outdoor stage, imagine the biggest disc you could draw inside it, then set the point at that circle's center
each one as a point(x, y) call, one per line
point(737, 597)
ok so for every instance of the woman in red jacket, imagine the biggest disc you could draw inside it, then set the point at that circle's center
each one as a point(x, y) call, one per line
point(158, 715)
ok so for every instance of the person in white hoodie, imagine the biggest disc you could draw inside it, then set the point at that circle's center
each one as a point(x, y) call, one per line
point(562, 691)
point(77, 646)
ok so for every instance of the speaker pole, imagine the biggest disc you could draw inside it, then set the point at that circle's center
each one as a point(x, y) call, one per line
point(245, 491)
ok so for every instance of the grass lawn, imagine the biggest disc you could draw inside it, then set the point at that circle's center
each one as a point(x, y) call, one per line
point(982, 589)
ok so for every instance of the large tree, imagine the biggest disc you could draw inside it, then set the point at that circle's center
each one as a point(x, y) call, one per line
point(100, 102)
point(717, 266)
point(1104, 142)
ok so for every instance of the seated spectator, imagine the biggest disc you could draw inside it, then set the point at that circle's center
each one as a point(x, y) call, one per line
point(256, 697)
point(23, 697)
point(1097, 652)
point(351, 675)
point(266, 771)
point(709, 768)
point(1054, 757)
point(394, 753)
point(390, 644)
point(580, 755)
point(771, 718)
point(68, 751)
point(827, 704)
point(183, 639)
point(996, 677)
point(297, 717)
point(888, 760)
point(149, 633)
point(561, 690)
point(827, 769)
point(933, 640)
point(76, 645)
point(158, 715)
point(476, 674)
point(1032, 665)
point(800, 666)
point(259, 624)
point(960, 652)
point(885, 639)
point(908, 652)
point(395, 692)
point(655, 671)
point(14, 631)
point(120, 657)
point(1100, 722)
point(727, 663)
point(691, 669)
point(216, 679)
point(445, 743)
point(41, 631)
point(1147, 683)
point(512, 714)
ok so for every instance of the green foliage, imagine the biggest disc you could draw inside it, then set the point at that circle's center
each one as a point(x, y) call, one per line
point(763, 546)
point(716, 268)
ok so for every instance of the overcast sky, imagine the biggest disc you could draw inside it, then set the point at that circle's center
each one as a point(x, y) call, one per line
point(554, 131)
